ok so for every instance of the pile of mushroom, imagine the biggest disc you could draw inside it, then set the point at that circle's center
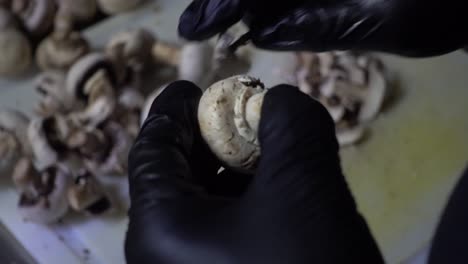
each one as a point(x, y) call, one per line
point(51, 26)
point(350, 85)
point(89, 112)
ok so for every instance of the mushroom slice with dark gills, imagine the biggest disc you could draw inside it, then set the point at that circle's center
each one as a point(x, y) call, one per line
point(111, 159)
point(42, 193)
point(87, 195)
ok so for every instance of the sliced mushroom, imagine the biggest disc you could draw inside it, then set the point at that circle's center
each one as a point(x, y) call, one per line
point(54, 96)
point(112, 7)
point(113, 158)
point(13, 139)
point(91, 81)
point(228, 113)
point(81, 11)
point(15, 48)
point(87, 195)
point(351, 86)
point(37, 16)
point(45, 201)
point(63, 47)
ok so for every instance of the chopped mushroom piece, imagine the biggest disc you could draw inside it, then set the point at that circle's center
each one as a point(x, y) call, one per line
point(87, 195)
point(44, 202)
point(351, 86)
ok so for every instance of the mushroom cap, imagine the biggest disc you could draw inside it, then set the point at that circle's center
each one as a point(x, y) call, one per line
point(228, 113)
point(87, 195)
point(132, 47)
point(196, 63)
point(37, 15)
point(48, 204)
point(15, 51)
point(112, 7)
point(82, 11)
point(60, 54)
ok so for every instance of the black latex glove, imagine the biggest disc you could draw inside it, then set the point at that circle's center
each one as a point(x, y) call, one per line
point(296, 209)
point(406, 27)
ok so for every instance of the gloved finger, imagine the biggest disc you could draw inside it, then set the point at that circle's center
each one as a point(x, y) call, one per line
point(299, 179)
point(179, 102)
point(205, 18)
point(299, 148)
point(316, 27)
point(364, 25)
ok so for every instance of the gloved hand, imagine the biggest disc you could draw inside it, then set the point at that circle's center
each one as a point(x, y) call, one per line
point(297, 208)
point(406, 27)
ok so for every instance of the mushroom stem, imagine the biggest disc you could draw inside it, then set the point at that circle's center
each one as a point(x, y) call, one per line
point(166, 53)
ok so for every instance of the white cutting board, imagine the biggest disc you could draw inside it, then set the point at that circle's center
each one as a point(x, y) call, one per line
point(401, 176)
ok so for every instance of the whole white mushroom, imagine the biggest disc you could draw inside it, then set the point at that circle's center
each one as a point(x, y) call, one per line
point(229, 115)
